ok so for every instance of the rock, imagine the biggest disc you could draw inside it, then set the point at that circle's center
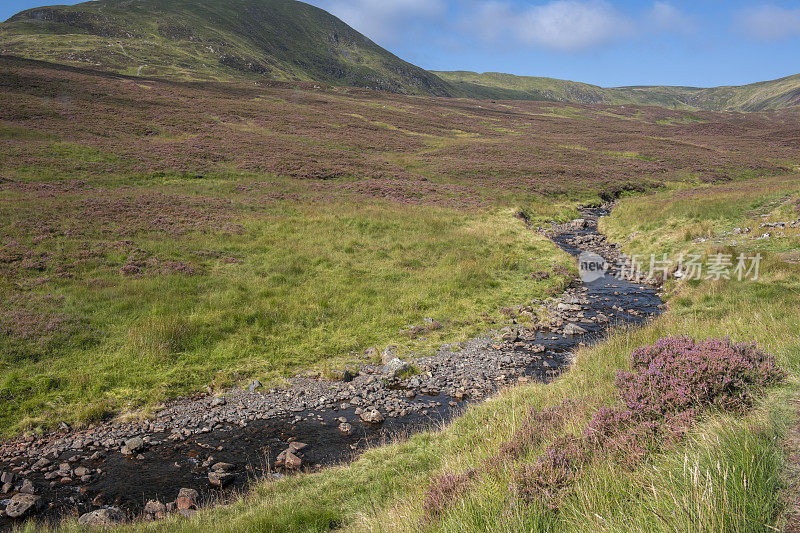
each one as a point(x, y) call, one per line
point(187, 513)
point(347, 377)
point(371, 353)
point(372, 416)
point(221, 479)
point(7, 477)
point(573, 329)
point(346, 428)
point(134, 445)
point(155, 509)
point(509, 334)
point(579, 223)
point(27, 487)
point(22, 504)
point(187, 499)
point(297, 446)
point(395, 367)
point(255, 384)
point(109, 516)
point(538, 348)
point(222, 467)
point(388, 354)
point(81, 471)
point(292, 461)
point(217, 402)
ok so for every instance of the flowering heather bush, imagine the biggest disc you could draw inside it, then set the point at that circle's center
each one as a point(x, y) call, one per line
point(671, 383)
point(443, 489)
point(546, 480)
point(677, 374)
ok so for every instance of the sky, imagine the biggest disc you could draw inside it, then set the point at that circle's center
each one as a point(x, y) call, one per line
point(604, 42)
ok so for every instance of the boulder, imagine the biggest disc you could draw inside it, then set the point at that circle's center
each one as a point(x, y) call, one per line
point(27, 487)
point(255, 384)
point(388, 354)
point(155, 509)
point(573, 329)
point(395, 367)
point(372, 416)
point(133, 445)
point(221, 479)
point(109, 516)
point(346, 428)
point(222, 467)
point(292, 461)
point(187, 499)
point(22, 504)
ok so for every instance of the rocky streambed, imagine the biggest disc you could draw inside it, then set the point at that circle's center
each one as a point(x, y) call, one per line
point(200, 449)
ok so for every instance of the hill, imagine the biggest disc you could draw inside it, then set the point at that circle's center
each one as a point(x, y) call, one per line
point(775, 94)
point(212, 40)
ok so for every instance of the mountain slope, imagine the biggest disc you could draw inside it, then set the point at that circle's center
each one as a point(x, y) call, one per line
point(775, 94)
point(212, 39)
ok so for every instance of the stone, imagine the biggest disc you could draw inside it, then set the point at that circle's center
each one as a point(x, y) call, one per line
point(155, 509)
point(388, 354)
point(255, 384)
point(109, 516)
point(346, 428)
point(395, 367)
point(297, 446)
point(371, 353)
point(538, 348)
point(7, 477)
point(27, 487)
point(221, 479)
point(187, 513)
point(292, 461)
point(222, 467)
point(217, 402)
point(573, 329)
point(187, 499)
point(134, 445)
point(372, 416)
point(22, 504)
point(509, 334)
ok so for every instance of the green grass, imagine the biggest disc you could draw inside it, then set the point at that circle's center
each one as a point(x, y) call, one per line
point(728, 475)
point(300, 287)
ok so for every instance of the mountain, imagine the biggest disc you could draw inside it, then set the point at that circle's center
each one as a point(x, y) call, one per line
point(289, 40)
point(775, 94)
point(212, 40)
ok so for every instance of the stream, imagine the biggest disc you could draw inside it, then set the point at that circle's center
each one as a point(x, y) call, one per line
point(73, 473)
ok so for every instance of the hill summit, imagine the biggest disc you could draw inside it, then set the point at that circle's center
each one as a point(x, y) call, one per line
point(212, 40)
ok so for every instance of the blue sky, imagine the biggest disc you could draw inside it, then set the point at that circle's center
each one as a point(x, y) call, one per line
point(606, 42)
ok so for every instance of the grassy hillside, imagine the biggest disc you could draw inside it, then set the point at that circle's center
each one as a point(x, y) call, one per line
point(167, 234)
point(775, 94)
point(212, 39)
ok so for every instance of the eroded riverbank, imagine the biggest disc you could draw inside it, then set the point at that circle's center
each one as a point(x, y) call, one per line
point(237, 438)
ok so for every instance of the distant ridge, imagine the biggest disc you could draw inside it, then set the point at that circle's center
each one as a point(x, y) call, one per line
point(775, 94)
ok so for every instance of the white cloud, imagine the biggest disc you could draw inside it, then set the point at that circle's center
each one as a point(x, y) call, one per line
point(666, 17)
point(570, 25)
point(769, 23)
point(385, 21)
